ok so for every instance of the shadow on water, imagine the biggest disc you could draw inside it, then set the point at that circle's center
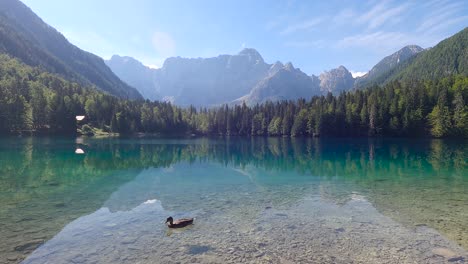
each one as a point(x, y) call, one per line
point(45, 185)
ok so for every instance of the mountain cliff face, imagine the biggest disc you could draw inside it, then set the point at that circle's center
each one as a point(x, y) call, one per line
point(198, 81)
point(387, 65)
point(336, 80)
point(210, 81)
point(25, 36)
point(225, 79)
point(135, 74)
point(246, 77)
point(282, 83)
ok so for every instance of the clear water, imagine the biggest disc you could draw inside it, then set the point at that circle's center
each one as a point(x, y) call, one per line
point(261, 200)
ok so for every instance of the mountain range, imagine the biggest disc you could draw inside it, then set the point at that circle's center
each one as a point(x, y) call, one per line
point(232, 79)
point(246, 77)
point(243, 77)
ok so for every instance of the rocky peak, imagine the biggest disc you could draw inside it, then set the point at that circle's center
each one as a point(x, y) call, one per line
point(289, 66)
point(336, 80)
point(341, 72)
point(252, 54)
point(394, 59)
point(123, 60)
point(412, 49)
point(275, 67)
point(403, 54)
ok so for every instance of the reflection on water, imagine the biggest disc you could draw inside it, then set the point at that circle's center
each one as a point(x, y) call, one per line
point(259, 200)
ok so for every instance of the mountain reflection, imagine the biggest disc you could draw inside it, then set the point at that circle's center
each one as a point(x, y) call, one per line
point(45, 185)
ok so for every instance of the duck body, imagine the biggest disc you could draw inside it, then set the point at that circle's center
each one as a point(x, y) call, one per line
point(179, 223)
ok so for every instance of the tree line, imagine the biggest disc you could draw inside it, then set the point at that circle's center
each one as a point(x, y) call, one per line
point(34, 100)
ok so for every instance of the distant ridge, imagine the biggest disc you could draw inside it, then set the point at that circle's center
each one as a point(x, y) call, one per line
point(246, 77)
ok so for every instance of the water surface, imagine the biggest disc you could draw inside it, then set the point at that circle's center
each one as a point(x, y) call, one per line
point(261, 200)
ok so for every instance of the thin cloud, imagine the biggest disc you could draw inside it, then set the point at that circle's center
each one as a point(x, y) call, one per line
point(344, 16)
point(304, 25)
point(382, 13)
point(441, 16)
point(379, 40)
point(447, 23)
point(391, 14)
point(305, 44)
point(374, 12)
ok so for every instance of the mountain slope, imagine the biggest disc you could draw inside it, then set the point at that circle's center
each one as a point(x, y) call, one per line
point(447, 58)
point(136, 74)
point(25, 36)
point(286, 83)
point(196, 81)
point(387, 65)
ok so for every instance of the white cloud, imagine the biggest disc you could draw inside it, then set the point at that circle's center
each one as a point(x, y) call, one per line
point(447, 23)
point(381, 14)
point(163, 43)
point(442, 17)
point(380, 40)
point(304, 25)
point(390, 14)
point(357, 73)
point(152, 66)
point(374, 12)
point(344, 17)
point(153, 63)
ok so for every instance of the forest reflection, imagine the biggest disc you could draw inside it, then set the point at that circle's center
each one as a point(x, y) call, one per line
point(44, 185)
point(31, 161)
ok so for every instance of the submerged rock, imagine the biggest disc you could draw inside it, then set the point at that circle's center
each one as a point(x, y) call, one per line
point(443, 252)
point(459, 258)
point(30, 245)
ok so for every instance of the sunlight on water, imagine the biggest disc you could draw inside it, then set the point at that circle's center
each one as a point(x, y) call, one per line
point(265, 200)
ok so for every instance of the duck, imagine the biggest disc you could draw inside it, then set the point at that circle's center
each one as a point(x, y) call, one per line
point(179, 223)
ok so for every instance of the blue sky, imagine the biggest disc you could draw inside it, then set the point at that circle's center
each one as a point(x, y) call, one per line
point(313, 35)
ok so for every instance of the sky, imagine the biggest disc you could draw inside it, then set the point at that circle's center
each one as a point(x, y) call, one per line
point(314, 35)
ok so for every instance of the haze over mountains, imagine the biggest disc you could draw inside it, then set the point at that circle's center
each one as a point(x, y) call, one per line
point(246, 77)
point(232, 79)
point(243, 77)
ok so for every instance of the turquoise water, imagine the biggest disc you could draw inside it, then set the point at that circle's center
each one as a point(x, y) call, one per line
point(260, 200)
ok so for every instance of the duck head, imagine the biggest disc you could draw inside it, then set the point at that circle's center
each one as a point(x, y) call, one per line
point(169, 220)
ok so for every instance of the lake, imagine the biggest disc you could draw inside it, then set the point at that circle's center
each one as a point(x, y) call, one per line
point(255, 200)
